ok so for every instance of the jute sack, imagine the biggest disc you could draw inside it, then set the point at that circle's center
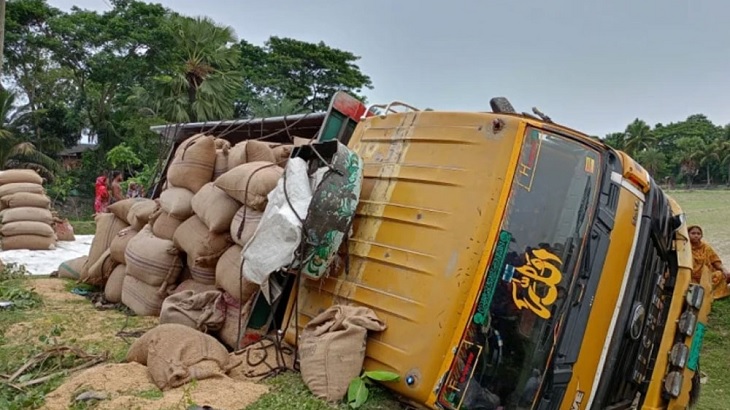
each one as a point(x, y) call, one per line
point(23, 199)
point(193, 164)
point(235, 315)
point(282, 154)
point(249, 151)
point(71, 269)
point(215, 208)
point(228, 276)
point(177, 202)
point(143, 299)
point(27, 228)
point(154, 261)
point(114, 285)
point(176, 354)
point(263, 177)
point(244, 224)
point(119, 244)
point(26, 213)
point(99, 271)
point(12, 176)
point(107, 227)
point(120, 209)
point(17, 187)
point(221, 162)
point(164, 225)
point(64, 230)
point(30, 242)
point(202, 246)
point(196, 310)
point(332, 349)
point(221, 143)
point(140, 212)
point(202, 272)
point(192, 285)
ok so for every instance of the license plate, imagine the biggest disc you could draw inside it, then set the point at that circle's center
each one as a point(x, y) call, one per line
point(694, 350)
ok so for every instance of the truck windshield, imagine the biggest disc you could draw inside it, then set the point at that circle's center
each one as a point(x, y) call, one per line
point(505, 354)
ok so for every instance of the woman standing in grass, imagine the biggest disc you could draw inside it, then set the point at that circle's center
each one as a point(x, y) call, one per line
point(101, 199)
point(705, 259)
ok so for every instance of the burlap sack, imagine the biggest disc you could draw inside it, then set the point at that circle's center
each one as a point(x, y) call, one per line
point(30, 242)
point(64, 230)
point(99, 271)
point(143, 299)
point(26, 213)
point(332, 349)
point(249, 151)
point(114, 285)
point(221, 143)
point(107, 227)
point(235, 315)
point(16, 187)
point(192, 285)
point(175, 354)
point(201, 272)
point(27, 228)
point(22, 199)
point(202, 246)
point(119, 244)
point(221, 163)
point(244, 224)
point(228, 276)
point(177, 202)
point(12, 176)
point(193, 164)
point(263, 176)
point(154, 261)
point(140, 212)
point(121, 208)
point(196, 310)
point(164, 225)
point(282, 154)
point(215, 208)
point(71, 269)
point(299, 141)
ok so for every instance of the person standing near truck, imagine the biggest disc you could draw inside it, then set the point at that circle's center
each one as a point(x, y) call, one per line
point(705, 257)
point(116, 187)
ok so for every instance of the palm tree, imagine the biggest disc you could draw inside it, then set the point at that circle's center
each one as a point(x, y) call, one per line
point(637, 137)
point(652, 159)
point(204, 80)
point(15, 150)
point(271, 106)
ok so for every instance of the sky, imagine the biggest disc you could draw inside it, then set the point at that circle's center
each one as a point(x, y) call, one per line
point(593, 65)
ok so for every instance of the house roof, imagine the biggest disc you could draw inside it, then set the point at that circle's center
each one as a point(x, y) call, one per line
point(78, 149)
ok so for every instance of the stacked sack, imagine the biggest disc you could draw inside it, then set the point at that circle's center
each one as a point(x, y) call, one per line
point(27, 222)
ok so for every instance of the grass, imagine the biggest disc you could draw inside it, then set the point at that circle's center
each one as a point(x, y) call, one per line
point(710, 210)
point(84, 227)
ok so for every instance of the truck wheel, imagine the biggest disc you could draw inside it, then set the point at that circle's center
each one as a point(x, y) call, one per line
point(501, 105)
point(694, 393)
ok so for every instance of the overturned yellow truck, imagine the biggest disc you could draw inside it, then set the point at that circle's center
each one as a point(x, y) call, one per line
point(517, 263)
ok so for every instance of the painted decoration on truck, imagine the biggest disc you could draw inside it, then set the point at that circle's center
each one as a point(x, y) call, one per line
point(500, 255)
point(534, 285)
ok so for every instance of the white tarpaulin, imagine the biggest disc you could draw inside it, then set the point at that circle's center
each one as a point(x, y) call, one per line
point(280, 230)
point(46, 262)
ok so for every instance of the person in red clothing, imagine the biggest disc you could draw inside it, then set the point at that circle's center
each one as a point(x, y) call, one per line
point(101, 200)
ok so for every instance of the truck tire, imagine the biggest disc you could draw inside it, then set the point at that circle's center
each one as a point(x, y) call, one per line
point(501, 105)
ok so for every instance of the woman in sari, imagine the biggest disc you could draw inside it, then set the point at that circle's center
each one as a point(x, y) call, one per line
point(705, 259)
point(101, 199)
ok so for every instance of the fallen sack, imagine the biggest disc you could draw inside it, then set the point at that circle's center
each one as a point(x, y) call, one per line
point(332, 349)
point(119, 244)
point(177, 202)
point(99, 271)
point(249, 151)
point(18, 187)
point(71, 269)
point(143, 299)
point(64, 230)
point(214, 207)
point(26, 213)
point(192, 285)
point(25, 199)
point(164, 225)
point(228, 276)
point(237, 316)
point(27, 228)
point(250, 183)
point(30, 242)
point(120, 209)
point(175, 354)
point(115, 284)
point(199, 311)
point(152, 260)
point(193, 164)
point(140, 212)
point(12, 176)
point(244, 224)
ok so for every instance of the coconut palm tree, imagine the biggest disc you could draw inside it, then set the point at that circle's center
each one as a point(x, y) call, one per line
point(271, 106)
point(15, 150)
point(637, 137)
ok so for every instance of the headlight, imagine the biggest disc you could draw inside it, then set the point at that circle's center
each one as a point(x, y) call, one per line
point(678, 355)
point(695, 296)
point(687, 322)
point(636, 323)
point(673, 383)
